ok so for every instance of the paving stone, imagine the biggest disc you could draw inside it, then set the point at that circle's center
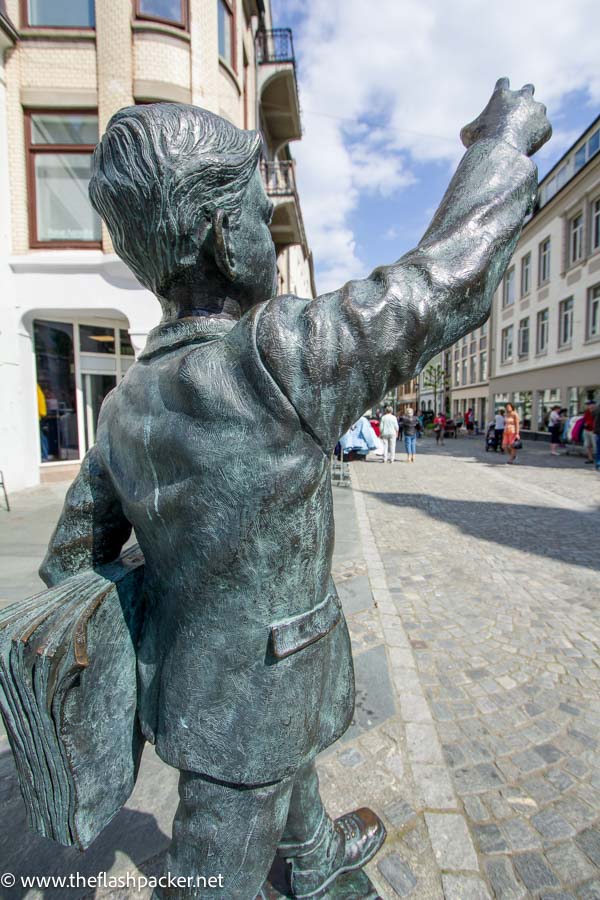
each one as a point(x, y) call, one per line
point(398, 874)
point(423, 744)
point(351, 758)
point(559, 779)
point(490, 839)
point(477, 779)
point(589, 841)
point(590, 891)
point(464, 887)
point(451, 841)
point(434, 786)
point(557, 895)
point(548, 752)
point(552, 825)
point(520, 835)
point(475, 809)
point(569, 863)
point(399, 813)
point(502, 878)
point(535, 871)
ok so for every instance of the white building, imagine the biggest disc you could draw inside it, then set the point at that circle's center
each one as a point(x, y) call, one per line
point(72, 316)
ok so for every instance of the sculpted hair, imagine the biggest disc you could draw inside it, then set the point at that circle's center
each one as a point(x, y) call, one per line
point(158, 174)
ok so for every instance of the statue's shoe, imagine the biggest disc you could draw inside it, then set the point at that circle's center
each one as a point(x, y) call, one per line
point(361, 833)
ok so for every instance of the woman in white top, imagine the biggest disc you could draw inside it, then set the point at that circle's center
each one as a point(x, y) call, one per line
point(388, 431)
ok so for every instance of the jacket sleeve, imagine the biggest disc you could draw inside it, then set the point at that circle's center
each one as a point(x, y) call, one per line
point(92, 528)
point(336, 356)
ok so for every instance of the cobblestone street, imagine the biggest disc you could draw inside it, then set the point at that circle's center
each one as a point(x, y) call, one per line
point(472, 594)
point(486, 581)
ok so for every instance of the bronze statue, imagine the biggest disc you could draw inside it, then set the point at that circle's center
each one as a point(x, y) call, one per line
point(216, 449)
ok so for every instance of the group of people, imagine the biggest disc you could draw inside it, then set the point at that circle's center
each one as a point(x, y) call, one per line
point(504, 432)
point(389, 432)
point(585, 428)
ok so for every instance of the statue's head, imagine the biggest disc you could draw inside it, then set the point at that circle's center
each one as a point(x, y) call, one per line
point(182, 198)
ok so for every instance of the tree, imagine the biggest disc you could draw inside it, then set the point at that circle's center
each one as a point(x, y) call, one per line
point(436, 379)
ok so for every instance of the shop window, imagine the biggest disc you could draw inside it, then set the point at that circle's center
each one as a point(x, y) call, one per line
point(60, 147)
point(96, 340)
point(545, 401)
point(56, 394)
point(172, 12)
point(59, 13)
point(226, 32)
point(522, 401)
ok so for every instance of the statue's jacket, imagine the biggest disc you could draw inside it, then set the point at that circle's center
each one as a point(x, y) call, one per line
point(216, 448)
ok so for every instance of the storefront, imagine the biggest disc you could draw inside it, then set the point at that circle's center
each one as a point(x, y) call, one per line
point(77, 362)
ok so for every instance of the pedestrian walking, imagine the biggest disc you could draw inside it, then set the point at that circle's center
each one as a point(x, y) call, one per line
point(411, 425)
point(469, 421)
point(388, 432)
point(511, 439)
point(589, 438)
point(439, 427)
point(499, 430)
point(554, 429)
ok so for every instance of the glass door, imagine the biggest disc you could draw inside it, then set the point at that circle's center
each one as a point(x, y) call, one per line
point(95, 389)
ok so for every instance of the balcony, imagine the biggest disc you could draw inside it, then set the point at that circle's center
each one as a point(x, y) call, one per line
point(279, 178)
point(277, 87)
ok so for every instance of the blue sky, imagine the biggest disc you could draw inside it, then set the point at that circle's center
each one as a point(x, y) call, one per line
point(385, 89)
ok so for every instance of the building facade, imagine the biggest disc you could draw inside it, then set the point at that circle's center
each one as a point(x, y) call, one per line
point(72, 316)
point(541, 345)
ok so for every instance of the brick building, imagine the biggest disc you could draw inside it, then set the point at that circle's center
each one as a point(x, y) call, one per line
point(72, 316)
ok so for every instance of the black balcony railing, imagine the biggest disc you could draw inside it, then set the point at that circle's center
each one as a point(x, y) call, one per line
point(275, 46)
point(279, 177)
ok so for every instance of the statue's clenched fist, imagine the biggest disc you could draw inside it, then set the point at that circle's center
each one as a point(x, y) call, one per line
point(512, 116)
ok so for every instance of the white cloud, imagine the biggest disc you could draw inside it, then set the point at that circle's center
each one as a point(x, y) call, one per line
point(419, 69)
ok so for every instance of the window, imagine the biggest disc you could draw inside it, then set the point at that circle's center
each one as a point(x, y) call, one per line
point(60, 149)
point(483, 366)
point(507, 343)
point(595, 230)
point(56, 394)
point(593, 312)
point(226, 33)
point(585, 153)
point(457, 373)
point(565, 318)
point(544, 266)
point(173, 12)
point(542, 331)
point(576, 238)
point(508, 294)
point(483, 330)
point(463, 374)
point(60, 13)
point(524, 337)
point(473, 372)
point(525, 274)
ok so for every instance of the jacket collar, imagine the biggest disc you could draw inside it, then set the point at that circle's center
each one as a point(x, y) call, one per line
point(175, 333)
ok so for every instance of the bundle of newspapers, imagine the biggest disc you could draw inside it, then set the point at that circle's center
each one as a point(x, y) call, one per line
point(68, 698)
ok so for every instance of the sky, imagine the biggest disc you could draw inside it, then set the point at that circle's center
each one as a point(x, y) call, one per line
point(385, 88)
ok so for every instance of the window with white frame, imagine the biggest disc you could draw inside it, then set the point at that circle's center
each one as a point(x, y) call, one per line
point(524, 337)
point(463, 374)
point(576, 238)
point(544, 262)
point(456, 374)
point(565, 322)
point(593, 312)
point(508, 293)
point(473, 371)
point(483, 366)
point(59, 13)
point(543, 318)
point(226, 25)
point(507, 343)
point(525, 274)
point(595, 225)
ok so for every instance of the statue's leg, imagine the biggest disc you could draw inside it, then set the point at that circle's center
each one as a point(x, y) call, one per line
point(318, 849)
point(223, 831)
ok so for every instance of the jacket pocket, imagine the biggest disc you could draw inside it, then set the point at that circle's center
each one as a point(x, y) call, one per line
point(297, 632)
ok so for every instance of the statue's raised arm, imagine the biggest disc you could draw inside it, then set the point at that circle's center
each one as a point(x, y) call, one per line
point(338, 355)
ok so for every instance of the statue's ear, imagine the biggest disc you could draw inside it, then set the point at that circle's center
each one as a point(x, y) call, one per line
point(222, 244)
